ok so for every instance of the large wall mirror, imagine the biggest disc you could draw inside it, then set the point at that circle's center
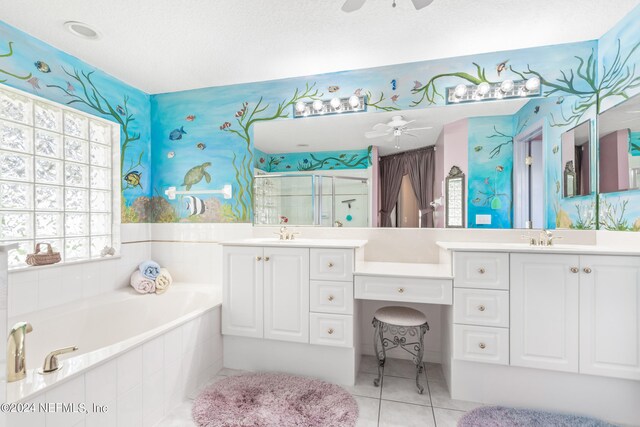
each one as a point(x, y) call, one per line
point(619, 147)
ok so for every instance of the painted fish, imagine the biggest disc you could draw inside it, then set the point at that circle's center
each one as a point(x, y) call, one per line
point(416, 85)
point(537, 109)
point(42, 66)
point(190, 118)
point(121, 110)
point(195, 205)
point(333, 89)
point(477, 148)
point(499, 168)
point(171, 154)
point(394, 98)
point(243, 110)
point(394, 84)
point(486, 181)
point(555, 149)
point(476, 200)
point(560, 100)
point(358, 92)
point(34, 82)
point(288, 166)
point(501, 67)
point(176, 134)
point(70, 88)
point(133, 179)
point(225, 125)
point(201, 145)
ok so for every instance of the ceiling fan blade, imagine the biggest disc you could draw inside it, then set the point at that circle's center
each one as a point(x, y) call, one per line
point(381, 127)
point(419, 4)
point(422, 128)
point(375, 134)
point(409, 134)
point(352, 5)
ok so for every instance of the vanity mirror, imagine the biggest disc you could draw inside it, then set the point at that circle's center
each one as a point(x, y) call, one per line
point(619, 147)
point(576, 163)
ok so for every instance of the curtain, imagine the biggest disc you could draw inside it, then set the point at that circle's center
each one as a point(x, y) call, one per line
point(421, 167)
point(578, 168)
point(391, 171)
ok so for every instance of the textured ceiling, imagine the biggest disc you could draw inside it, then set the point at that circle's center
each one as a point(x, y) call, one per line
point(170, 45)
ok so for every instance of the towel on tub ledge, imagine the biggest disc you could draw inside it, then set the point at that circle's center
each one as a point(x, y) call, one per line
point(141, 284)
point(163, 281)
point(149, 269)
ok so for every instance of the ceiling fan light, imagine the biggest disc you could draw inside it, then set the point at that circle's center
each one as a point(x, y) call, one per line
point(483, 88)
point(354, 101)
point(460, 90)
point(317, 105)
point(335, 103)
point(532, 84)
point(506, 86)
point(300, 106)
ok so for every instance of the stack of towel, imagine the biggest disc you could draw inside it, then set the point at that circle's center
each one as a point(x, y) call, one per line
point(150, 277)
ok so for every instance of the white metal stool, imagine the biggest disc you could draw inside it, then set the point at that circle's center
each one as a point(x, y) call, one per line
point(401, 322)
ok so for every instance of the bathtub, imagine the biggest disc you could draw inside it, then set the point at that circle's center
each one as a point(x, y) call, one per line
point(113, 329)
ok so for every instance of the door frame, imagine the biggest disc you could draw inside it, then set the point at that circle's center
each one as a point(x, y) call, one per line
point(521, 173)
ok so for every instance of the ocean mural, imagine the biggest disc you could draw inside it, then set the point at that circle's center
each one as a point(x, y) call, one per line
point(35, 67)
point(317, 161)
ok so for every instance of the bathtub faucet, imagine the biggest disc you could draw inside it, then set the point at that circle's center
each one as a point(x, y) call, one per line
point(16, 367)
point(51, 363)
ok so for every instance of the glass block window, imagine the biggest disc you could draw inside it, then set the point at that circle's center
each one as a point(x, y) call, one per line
point(56, 178)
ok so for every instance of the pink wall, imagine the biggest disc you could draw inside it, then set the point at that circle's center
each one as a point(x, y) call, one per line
point(375, 187)
point(456, 150)
point(614, 161)
point(438, 218)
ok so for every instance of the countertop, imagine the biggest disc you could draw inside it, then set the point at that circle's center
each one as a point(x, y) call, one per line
point(525, 248)
point(402, 269)
point(297, 243)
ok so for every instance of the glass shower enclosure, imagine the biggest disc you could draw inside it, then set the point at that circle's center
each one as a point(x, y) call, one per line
point(313, 200)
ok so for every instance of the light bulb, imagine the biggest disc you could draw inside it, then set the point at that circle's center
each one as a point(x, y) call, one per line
point(335, 103)
point(506, 86)
point(532, 84)
point(483, 88)
point(317, 105)
point(460, 90)
point(354, 101)
point(300, 106)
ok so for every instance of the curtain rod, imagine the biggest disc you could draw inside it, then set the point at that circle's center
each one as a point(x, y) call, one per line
point(415, 150)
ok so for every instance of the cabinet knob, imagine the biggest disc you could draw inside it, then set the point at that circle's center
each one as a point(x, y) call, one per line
point(587, 270)
point(574, 269)
point(481, 308)
point(400, 290)
point(258, 258)
point(330, 298)
point(266, 258)
point(330, 264)
point(330, 331)
point(482, 345)
point(481, 270)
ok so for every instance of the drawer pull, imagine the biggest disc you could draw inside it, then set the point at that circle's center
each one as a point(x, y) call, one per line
point(266, 258)
point(587, 270)
point(258, 258)
point(401, 290)
point(481, 270)
point(574, 269)
point(330, 298)
point(481, 308)
point(482, 345)
point(330, 264)
point(330, 331)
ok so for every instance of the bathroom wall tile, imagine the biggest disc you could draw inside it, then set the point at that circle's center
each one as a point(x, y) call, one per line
point(130, 408)
point(101, 383)
point(173, 385)
point(69, 392)
point(72, 282)
point(27, 419)
point(129, 371)
point(190, 335)
point(104, 419)
point(92, 279)
point(50, 291)
point(173, 345)
point(152, 356)
point(23, 297)
point(153, 398)
point(135, 232)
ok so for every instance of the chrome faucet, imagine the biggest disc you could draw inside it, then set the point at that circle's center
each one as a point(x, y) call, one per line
point(16, 366)
point(285, 234)
point(51, 360)
point(546, 238)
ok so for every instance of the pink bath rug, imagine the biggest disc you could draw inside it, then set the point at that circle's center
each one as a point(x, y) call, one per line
point(274, 400)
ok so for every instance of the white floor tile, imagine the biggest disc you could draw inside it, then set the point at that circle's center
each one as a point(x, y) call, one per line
point(369, 410)
point(369, 365)
point(434, 371)
point(398, 414)
point(400, 368)
point(404, 390)
point(179, 417)
point(447, 417)
point(440, 398)
point(195, 393)
point(364, 386)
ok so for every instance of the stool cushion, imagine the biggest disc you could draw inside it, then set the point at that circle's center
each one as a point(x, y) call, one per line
point(400, 316)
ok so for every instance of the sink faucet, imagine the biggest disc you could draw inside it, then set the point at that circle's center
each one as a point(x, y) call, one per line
point(547, 238)
point(16, 366)
point(284, 233)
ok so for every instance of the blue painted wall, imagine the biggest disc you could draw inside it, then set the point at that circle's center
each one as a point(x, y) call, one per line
point(316, 161)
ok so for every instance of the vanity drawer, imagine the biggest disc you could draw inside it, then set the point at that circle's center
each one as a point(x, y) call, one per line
point(331, 297)
point(481, 344)
point(331, 329)
point(405, 289)
point(487, 270)
point(332, 264)
point(481, 307)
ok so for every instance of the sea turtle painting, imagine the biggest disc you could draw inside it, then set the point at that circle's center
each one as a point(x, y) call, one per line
point(196, 174)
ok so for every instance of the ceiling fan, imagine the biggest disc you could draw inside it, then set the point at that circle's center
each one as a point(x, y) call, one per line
point(353, 5)
point(394, 129)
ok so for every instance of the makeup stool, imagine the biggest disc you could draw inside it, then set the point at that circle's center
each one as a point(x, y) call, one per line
point(403, 323)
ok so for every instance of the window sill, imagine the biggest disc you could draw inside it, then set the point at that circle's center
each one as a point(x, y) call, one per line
point(23, 268)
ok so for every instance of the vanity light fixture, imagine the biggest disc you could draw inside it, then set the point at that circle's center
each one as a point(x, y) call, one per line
point(335, 105)
point(487, 91)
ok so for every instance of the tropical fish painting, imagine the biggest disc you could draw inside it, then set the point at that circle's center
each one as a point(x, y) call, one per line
point(195, 175)
point(501, 67)
point(176, 134)
point(133, 179)
point(194, 205)
point(171, 154)
point(394, 84)
point(34, 82)
point(120, 110)
point(333, 89)
point(201, 146)
point(42, 66)
point(190, 118)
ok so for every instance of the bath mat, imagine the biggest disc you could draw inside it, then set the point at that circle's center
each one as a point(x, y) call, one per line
point(499, 416)
point(274, 400)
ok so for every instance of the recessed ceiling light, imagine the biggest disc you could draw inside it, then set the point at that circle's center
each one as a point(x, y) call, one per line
point(302, 145)
point(81, 29)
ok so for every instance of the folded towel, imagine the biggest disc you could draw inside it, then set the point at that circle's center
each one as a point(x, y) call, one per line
point(163, 281)
point(141, 284)
point(149, 269)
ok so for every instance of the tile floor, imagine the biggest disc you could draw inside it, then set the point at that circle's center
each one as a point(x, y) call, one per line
point(395, 404)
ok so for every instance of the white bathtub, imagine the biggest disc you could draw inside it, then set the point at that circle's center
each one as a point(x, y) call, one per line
point(111, 325)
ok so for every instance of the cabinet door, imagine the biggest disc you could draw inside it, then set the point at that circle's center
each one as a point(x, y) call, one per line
point(610, 316)
point(286, 294)
point(544, 311)
point(242, 288)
